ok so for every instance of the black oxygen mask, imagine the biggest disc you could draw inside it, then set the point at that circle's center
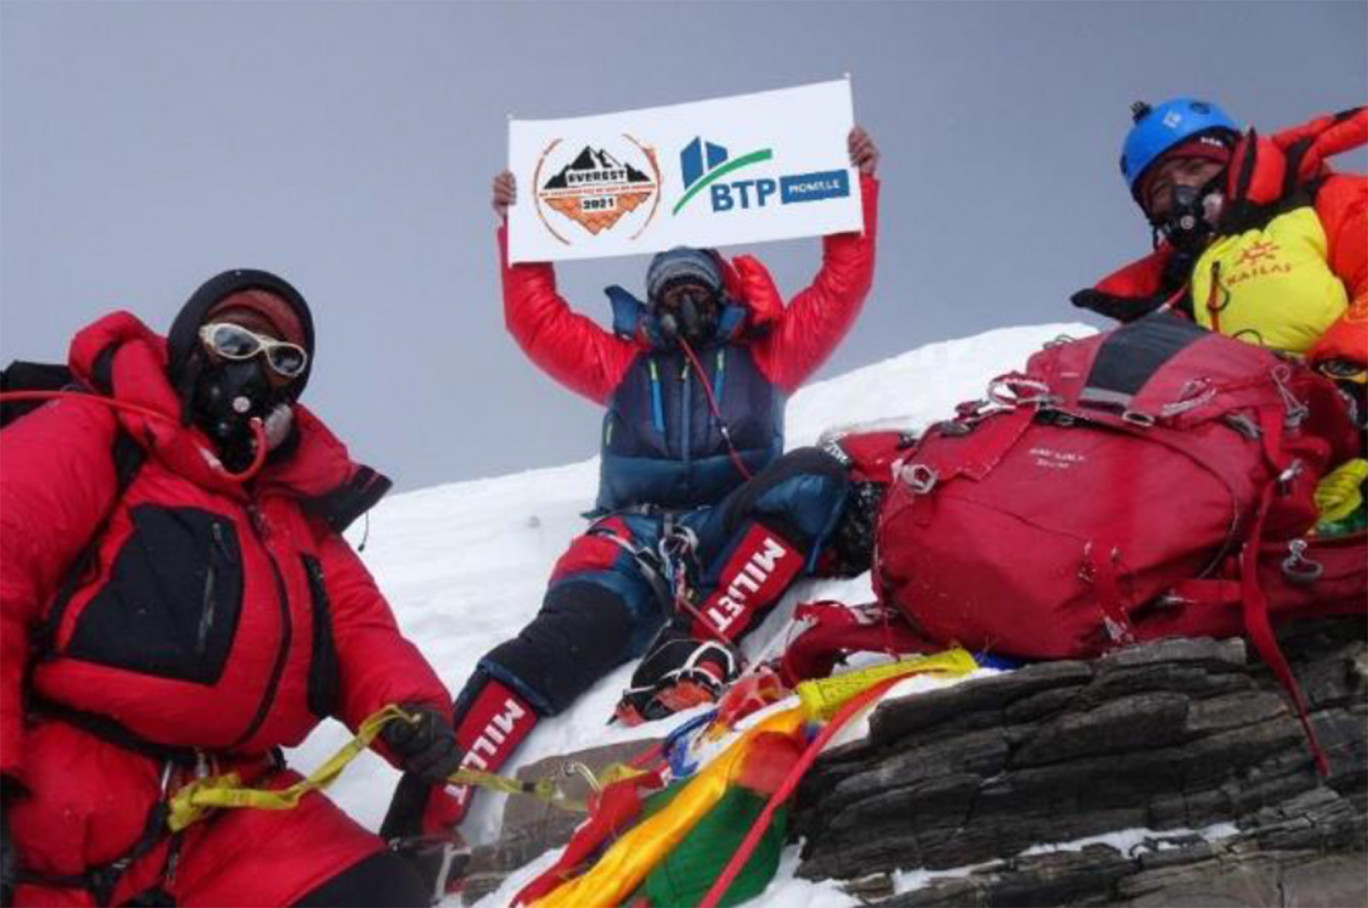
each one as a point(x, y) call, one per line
point(1191, 218)
point(228, 396)
point(690, 316)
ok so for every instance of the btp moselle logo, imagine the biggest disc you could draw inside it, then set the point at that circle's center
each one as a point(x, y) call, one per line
point(705, 165)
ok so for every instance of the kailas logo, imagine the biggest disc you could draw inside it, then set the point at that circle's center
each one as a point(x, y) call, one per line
point(597, 187)
point(708, 165)
point(1257, 252)
point(1261, 258)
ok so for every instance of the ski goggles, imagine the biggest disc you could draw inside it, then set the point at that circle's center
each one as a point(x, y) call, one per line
point(235, 342)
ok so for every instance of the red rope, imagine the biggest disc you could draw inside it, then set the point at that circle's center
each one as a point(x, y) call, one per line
point(712, 405)
point(790, 784)
point(258, 430)
point(12, 396)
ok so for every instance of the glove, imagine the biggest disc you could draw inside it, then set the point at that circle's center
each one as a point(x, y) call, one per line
point(677, 673)
point(427, 747)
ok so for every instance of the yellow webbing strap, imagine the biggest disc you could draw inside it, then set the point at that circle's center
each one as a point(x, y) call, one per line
point(822, 697)
point(1340, 493)
point(195, 800)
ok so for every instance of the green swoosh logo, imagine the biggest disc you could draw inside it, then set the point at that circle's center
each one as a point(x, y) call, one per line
point(755, 157)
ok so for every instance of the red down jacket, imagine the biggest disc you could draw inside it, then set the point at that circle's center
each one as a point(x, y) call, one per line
point(209, 615)
point(588, 360)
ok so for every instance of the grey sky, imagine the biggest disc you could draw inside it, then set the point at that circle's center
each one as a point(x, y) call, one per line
point(349, 147)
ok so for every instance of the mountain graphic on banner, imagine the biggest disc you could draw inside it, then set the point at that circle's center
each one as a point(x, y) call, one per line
point(593, 161)
point(596, 189)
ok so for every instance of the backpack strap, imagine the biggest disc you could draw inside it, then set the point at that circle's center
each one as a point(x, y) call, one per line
point(1248, 591)
point(1254, 603)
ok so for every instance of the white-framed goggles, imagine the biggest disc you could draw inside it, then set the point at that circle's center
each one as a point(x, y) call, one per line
point(235, 342)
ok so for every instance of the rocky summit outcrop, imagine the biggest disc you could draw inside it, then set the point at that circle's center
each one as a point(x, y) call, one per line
point(1170, 737)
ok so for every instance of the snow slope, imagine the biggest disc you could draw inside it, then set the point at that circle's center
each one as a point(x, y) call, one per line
point(464, 564)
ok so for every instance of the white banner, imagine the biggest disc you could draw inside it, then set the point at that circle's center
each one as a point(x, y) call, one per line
point(745, 169)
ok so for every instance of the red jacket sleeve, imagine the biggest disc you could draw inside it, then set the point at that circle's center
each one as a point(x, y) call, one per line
point(1342, 205)
point(377, 665)
point(56, 487)
point(569, 347)
point(818, 318)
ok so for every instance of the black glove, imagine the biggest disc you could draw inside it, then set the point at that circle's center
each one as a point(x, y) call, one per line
point(426, 747)
point(677, 673)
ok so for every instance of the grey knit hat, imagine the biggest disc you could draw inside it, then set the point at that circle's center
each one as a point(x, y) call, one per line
point(699, 265)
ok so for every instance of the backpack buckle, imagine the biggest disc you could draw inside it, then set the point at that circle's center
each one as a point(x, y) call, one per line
point(920, 478)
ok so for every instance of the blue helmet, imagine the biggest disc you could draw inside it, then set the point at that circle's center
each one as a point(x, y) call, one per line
point(1157, 129)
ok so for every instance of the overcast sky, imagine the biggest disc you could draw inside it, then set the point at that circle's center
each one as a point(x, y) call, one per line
point(145, 146)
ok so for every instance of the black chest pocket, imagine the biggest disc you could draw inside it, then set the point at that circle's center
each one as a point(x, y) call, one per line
point(173, 599)
point(324, 677)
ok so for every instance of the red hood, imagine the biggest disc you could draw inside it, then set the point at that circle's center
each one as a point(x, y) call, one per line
point(1306, 148)
point(122, 358)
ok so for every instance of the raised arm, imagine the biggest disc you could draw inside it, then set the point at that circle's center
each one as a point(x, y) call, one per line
point(1343, 208)
point(569, 347)
point(818, 318)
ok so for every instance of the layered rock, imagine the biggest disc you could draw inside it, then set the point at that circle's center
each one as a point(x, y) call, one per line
point(1172, 736)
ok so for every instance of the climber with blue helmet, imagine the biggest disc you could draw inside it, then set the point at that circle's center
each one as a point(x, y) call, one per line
point(1174, 159)
point(1254, 236)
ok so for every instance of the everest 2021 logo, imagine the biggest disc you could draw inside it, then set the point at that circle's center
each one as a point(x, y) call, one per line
point(705, 165)
point(597, 187)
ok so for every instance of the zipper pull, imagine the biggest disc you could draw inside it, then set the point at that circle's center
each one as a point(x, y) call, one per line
point(258, 520)
point(219, 542)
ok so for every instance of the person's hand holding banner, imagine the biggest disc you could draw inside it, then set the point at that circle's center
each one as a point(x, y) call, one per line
point(744, 169)
point(864, 156)
point(505, 193)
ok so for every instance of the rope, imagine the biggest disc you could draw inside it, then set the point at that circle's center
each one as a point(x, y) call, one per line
point(196, 800)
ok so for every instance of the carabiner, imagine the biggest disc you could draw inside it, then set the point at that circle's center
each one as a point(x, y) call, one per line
point(1297, 568)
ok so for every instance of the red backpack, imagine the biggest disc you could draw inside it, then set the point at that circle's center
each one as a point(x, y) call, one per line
point(1152, 481)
